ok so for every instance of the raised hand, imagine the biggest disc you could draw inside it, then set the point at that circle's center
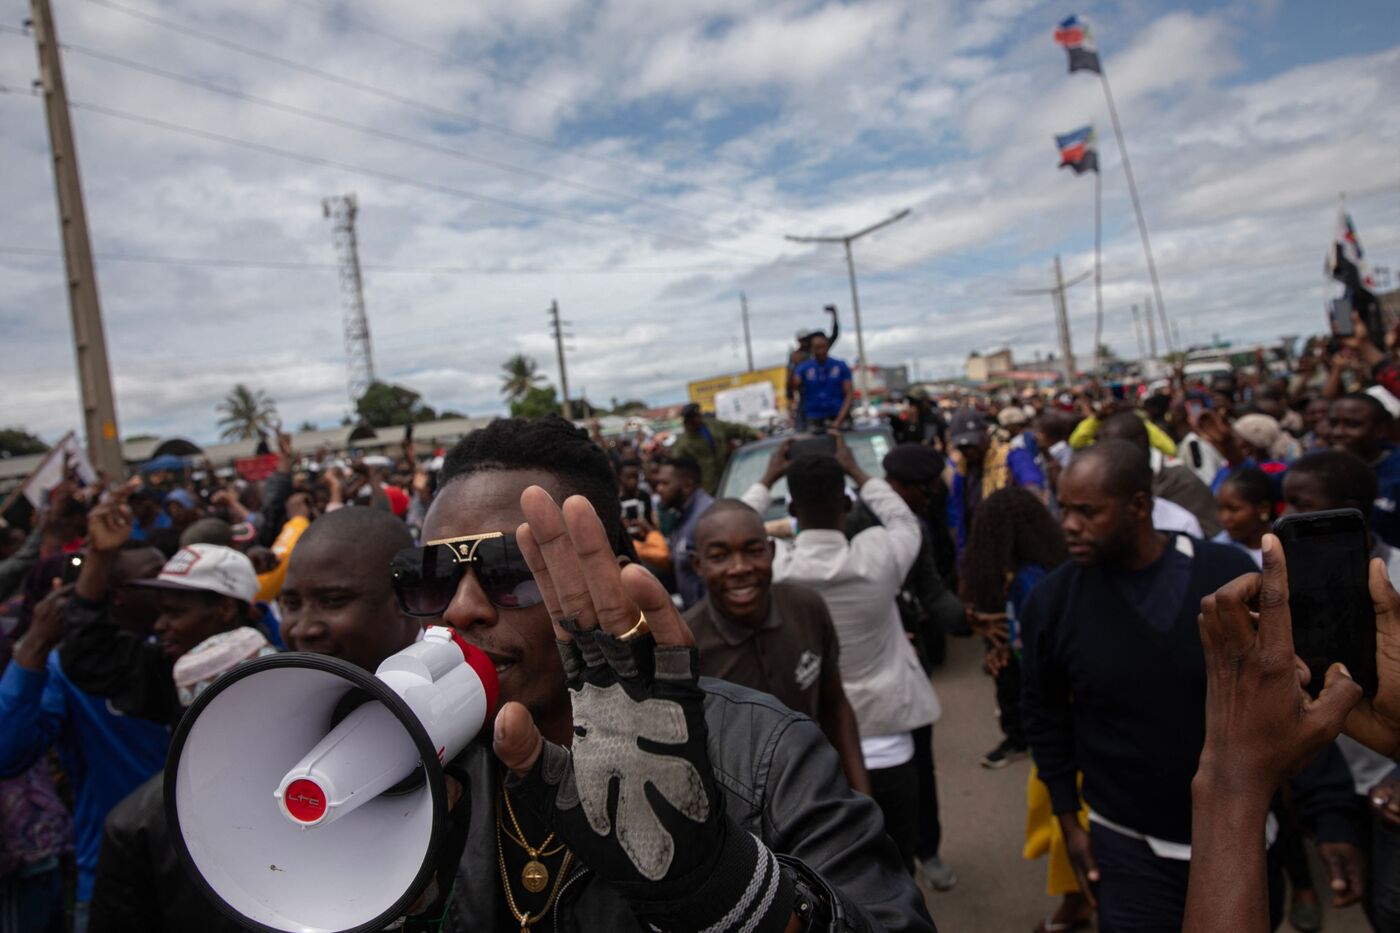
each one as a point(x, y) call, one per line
point(1375, 722)
point(639, 728)
point(109, 523)
point(1261, 725)
point(778, 463)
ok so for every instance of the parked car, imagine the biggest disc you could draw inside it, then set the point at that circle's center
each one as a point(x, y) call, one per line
point(746, 465)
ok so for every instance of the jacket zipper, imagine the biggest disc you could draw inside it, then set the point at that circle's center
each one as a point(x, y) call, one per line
point(559, 898)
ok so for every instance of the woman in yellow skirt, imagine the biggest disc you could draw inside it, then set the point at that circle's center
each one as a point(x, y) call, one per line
point(1043, 835)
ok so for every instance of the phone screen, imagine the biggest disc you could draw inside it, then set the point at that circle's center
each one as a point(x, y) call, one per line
point(1339, 314)
point(1328, 596)
point(72, 566)
point(631, 509)
point(823, 446)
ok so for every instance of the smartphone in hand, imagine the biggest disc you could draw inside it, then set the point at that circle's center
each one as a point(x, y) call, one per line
point(1327, 554)
point(1339, 317)
point(820, 445)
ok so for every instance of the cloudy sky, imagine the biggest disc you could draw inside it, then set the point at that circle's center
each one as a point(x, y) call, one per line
point(641, 162)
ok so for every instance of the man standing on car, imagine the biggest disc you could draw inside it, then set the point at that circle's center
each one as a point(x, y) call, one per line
point(823, 384)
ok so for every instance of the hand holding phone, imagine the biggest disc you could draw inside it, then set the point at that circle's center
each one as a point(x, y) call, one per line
point(1334, 620)
point(821, 445)
point(1339, 316)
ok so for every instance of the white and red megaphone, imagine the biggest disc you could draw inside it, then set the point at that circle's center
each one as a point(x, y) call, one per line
point(306, 795)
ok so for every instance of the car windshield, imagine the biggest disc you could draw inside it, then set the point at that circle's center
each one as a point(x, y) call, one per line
point(747, 464)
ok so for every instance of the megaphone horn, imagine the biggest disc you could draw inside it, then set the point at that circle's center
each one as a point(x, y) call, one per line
point(340, 838)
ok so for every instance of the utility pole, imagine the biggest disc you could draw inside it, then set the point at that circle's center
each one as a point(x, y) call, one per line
point(1151, 330)
point(557, 331)
point(1057, 295)
point(863, 380)
point(359, 356)
point(89, 339)
point(744, 313)
point(1137, 329)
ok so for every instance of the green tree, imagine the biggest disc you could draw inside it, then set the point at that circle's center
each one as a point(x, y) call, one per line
point(520, 376)
point(629, 406)
point(16, 442)
point(136, 438)
point(385, 404)
point(1106, 353)
point(247, 413)
point(308, 426)
point(536, 403)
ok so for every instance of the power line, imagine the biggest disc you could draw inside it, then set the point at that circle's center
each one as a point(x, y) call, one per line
point(396, 179)
point(330, 120)
point(443, 112)
point(240, 263)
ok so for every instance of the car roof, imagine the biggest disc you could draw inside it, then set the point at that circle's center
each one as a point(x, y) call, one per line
point(776, 439)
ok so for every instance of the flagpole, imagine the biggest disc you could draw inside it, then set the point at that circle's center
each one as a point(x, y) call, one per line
point(1098, 268)
point(1137, 204)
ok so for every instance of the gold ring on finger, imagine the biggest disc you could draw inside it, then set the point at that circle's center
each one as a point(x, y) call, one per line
point(638, 630)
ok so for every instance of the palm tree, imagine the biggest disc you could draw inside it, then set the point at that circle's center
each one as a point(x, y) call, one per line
point(247, 413)
point(521, 375)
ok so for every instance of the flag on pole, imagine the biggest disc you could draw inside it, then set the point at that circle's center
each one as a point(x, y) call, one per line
point(1077, 150)
point(29, 498)
point(1078, 39)
point(1345, 263)
point(1346, 259)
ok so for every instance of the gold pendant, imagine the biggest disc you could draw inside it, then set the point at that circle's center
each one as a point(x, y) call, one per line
point(534, 876)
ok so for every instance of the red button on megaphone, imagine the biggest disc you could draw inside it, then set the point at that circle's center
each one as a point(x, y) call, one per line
point(306, 795)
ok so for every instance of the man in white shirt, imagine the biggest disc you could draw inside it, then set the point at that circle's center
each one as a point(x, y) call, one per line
point(859, 579)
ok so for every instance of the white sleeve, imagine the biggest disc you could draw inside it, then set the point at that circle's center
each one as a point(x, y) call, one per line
point(906, 535)
point(757, 498)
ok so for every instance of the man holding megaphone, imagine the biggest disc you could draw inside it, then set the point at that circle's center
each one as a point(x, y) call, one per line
point(620, 793)
point(612, 791)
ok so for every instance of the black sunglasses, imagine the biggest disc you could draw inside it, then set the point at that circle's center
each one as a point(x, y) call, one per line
point(426, 578)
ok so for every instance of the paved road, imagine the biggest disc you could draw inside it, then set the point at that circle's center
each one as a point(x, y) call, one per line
point(984, 815)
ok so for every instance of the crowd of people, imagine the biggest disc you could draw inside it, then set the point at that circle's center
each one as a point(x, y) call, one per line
point(1109, 544)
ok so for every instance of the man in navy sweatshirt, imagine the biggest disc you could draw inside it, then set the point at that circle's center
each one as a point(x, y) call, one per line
point(1114, 688)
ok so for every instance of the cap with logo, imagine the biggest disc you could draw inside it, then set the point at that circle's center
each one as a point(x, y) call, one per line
point(967, 428)
point(208, 568)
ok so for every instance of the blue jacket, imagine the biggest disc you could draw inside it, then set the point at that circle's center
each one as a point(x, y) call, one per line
point(682, 540)
point(107, 755)
point(1385, 515)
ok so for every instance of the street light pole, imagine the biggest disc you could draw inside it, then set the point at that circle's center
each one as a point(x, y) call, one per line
point(846, 241)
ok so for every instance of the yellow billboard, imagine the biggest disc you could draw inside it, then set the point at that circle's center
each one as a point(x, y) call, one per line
point(703, 391)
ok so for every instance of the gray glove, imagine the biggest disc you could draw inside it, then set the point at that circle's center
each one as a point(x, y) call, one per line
point(635, 797)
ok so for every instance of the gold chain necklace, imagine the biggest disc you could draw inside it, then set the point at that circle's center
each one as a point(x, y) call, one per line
point(524, 919)
point(534, 877)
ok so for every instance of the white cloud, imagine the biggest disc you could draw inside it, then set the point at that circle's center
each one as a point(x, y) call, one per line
point(708, 131)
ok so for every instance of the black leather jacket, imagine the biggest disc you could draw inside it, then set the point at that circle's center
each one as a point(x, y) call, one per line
point(141, 885)
point(782, 782)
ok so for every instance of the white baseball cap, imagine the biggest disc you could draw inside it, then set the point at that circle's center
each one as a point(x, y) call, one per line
point(208, 568)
